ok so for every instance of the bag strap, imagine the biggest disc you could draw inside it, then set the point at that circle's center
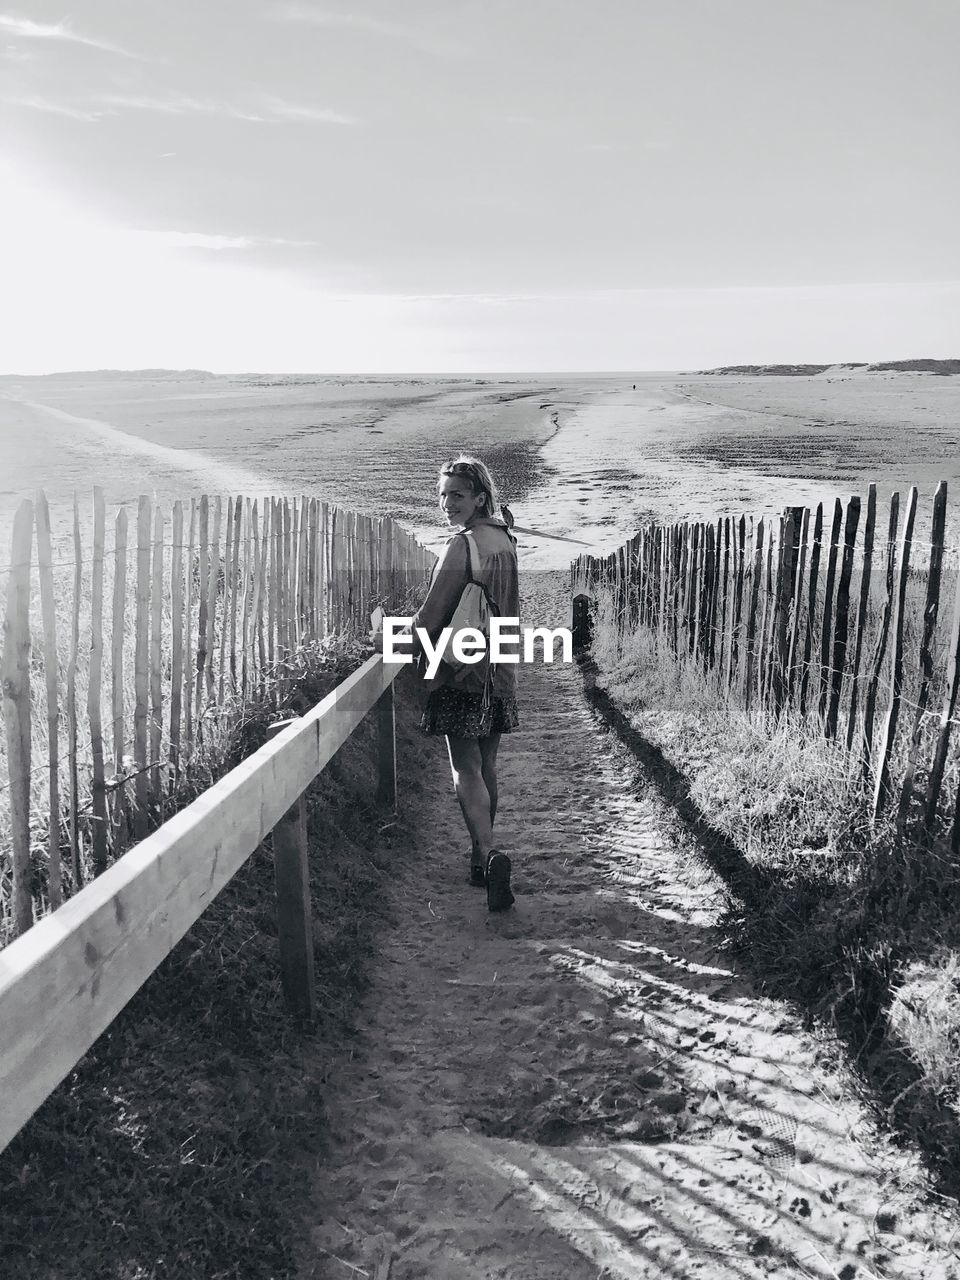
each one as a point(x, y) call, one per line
point(472, 551)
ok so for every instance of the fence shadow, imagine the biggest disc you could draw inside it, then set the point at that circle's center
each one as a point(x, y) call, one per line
point(855, 1009)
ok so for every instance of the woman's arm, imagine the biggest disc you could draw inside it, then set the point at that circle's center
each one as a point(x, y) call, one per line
point(446, 587)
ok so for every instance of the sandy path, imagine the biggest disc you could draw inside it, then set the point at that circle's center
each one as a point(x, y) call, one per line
point(586, 1086)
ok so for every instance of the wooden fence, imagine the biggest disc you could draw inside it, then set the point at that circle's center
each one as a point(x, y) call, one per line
point(65, 980)
point(126, 660)
point(813, 611)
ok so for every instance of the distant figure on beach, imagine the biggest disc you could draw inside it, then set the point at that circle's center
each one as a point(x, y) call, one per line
point(474, 706)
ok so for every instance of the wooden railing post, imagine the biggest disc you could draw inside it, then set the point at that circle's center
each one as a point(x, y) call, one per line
point(294, 911)
point(291, 873)
point(387, 749)
point(582, 624)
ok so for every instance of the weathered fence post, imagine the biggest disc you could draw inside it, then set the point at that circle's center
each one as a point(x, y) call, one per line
point(582, 626)
point(789, 555)
point(930, 609)
point(72, 722)
point(176, 642)
point(749, 642)
point(119, 806)
point(808, 632)
point(387, 749)
point(156, 672)
point(883, 782)
point(868, 532)
point(15, 679)
point(840, 623)
point(870, 698)
point(141, 785)
point(796, 606)
point(291, 872)
point(828, 603)
point(947, 713)
point(51, 671)
point(98, 794)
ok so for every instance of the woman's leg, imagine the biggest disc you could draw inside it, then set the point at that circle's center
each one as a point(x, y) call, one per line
point(489, 747)
point(466, 765)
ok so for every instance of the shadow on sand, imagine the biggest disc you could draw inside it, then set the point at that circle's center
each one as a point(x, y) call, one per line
point(847, 985)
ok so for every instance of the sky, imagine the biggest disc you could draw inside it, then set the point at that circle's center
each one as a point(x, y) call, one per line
point(477, 185)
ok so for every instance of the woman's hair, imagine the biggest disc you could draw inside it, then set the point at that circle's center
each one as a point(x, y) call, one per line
point(481, 481)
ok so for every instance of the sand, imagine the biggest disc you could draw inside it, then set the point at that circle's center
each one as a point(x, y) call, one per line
point(586, 457)
point(588, 1085)
point(695, 448)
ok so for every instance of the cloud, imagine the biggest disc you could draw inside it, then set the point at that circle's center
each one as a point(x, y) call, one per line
point(193, 240)
point(181, 105)
point(31, 30)
point(208, 240)
point(279, 109)
point(56, 108)
point(427, 41)
point(273, 110)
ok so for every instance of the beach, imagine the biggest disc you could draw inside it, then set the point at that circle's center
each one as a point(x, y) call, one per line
point(587, 457)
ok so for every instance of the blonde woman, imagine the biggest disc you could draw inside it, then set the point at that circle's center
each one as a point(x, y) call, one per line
point(474, 706)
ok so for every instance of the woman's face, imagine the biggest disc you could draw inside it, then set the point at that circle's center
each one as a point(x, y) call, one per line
point(458, 502)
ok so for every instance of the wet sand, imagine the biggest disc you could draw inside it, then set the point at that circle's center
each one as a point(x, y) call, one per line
point(695, 448)
point(589, 457)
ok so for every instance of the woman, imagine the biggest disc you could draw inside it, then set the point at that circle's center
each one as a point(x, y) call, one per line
point(457, 706)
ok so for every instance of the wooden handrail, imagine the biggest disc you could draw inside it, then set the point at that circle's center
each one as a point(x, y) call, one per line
point(64, 981)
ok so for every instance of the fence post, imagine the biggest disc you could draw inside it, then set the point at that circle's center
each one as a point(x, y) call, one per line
point(581, 623)
point(786, 585)
point(291, 872)
point(15, 679)
point(882, 789)
point(709, 594)
point(930, 610)
point(98, 794)
point(842, 614)
point(870, 699)
point(387, 749)
point(733, 662)
point(75, 860)
point(946, 717)
point(203, 592)
point(828, 603)
point(116, 674)
point(796, 606)
point(229, 594)
point(51, 671)
point(808, 632)
point(156, 671)
point(141, 658)
point(213, 590)
point(749, 641)
point(868, 532)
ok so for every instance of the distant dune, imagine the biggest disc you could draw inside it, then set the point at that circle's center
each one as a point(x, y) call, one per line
point(923, 365)
point(919, 366)
point(129, 374)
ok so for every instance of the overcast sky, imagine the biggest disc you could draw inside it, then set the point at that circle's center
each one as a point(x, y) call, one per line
point(384, 185)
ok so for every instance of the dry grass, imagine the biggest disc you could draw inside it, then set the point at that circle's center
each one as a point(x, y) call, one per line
point(181, 1147)
point(859, 927)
